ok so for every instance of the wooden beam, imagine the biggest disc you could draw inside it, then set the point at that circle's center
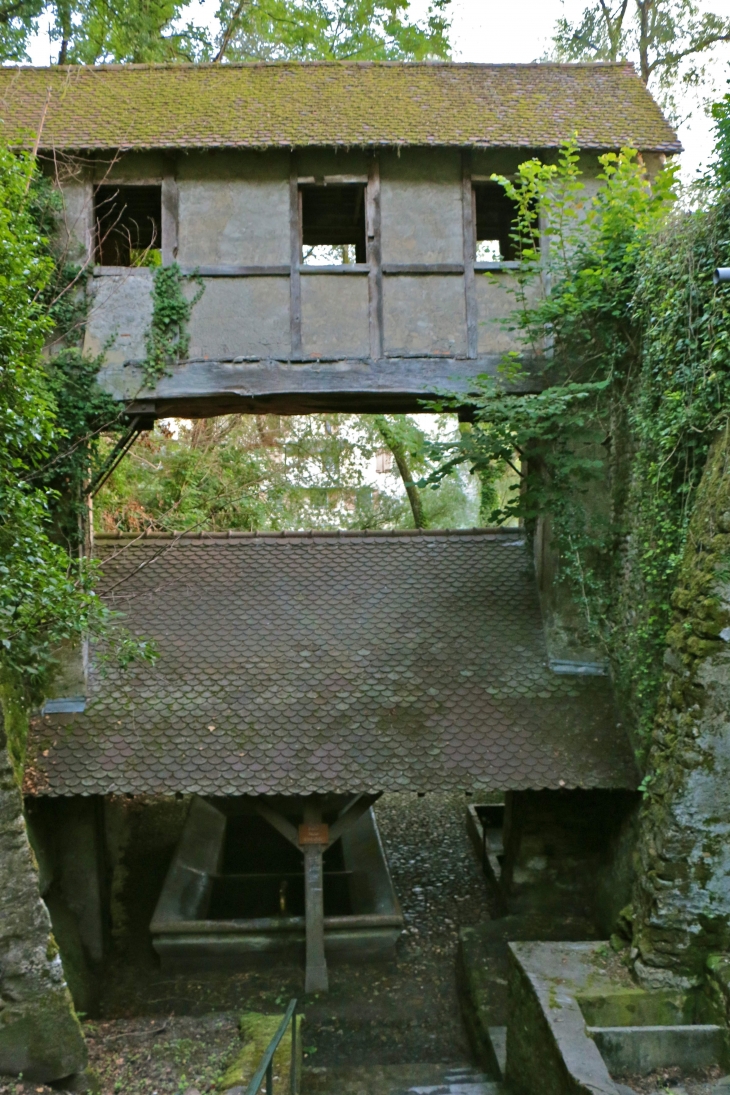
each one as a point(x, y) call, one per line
point(467, 207)
point(170, 219)
point(227, 271)
point(422, 269)
point(373, 255)
point(316, 978)
point(295, 257)
point(355, 808)
point(278, 822)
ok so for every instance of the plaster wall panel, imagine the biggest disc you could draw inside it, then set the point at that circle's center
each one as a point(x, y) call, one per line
point(239, 216)
point(119, 316)
point(241, 317)
point(132, 167)
point(321, 163)
point(77, 221)
point(421, 207)
point(424, 315)
point(494, 303)
point(335, 316)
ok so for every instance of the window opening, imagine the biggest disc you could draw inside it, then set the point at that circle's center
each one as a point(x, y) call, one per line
point(495, 215)
point(333, 225)
point(128, 225)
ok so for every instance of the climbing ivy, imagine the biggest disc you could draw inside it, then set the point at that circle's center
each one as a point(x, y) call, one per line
point(167, 340)
point(632, 343)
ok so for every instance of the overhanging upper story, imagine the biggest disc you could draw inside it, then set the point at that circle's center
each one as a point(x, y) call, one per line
point(342, 216)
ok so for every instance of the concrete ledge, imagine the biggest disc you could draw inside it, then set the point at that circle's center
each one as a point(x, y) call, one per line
point(641, 1050)
point(555, 987)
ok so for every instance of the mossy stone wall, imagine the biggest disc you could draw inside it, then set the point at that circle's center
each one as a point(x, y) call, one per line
point(682, 888)
point(40, 1035)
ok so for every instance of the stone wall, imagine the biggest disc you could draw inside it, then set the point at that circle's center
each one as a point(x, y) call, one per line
point(682, 888)
point(40, 1035)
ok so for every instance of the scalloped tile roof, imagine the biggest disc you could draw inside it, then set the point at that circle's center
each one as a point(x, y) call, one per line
point(289, 104)
point(294, 663)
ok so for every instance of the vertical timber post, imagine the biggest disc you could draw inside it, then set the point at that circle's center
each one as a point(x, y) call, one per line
point(373, 255)
point(313, 839)
point(467, 206)
point(170, 214)
point(295, 257)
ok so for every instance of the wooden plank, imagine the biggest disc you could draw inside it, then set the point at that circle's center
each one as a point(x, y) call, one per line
point(373, 255)
point(347, 268)
point(467, 206)
point(237, 271)
point(295, 257)
point(274, 924)
point(353, 385)
point(170, 219)
point(419, 269)
point(315, 978)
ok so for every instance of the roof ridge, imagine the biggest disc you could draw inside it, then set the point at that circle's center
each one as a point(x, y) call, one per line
point(303, 534)
point(177, 66)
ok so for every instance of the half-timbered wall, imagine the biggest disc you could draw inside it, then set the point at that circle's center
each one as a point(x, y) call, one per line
point(235, 219)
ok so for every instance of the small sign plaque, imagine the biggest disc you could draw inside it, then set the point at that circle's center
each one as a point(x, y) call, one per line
point(311, 833)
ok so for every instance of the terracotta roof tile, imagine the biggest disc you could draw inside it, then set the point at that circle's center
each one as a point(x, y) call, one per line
point(341, 104)
point(442, 683)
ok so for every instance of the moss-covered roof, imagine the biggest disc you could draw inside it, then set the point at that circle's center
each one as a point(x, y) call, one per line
point(331, 104)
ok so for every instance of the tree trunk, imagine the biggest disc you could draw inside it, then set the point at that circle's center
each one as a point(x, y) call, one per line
point(401, 459)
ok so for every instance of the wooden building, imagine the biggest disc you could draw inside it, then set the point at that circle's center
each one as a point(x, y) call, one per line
point(342, 216)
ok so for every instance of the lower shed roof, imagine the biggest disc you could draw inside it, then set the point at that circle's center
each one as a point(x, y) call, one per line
point(299, 663)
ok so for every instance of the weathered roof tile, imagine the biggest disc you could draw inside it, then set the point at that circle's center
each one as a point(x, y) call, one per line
point(467, 600)
point(341, 104)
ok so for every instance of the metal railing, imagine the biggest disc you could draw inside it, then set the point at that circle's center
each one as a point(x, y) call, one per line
point(266, 1068)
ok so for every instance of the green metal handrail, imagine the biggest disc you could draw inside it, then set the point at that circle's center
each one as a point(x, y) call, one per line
point(266, 1068)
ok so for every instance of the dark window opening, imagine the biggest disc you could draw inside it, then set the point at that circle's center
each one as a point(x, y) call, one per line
point(128, 225)
point(495, 216)
point(333, 225)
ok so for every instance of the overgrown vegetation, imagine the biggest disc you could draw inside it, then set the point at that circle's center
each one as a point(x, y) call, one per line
point(633, 341)
point(45, 593)
point(280, 472)
point(167, 340)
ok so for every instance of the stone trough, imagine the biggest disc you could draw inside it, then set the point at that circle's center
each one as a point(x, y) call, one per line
point(235, 890)
point(575, 1023)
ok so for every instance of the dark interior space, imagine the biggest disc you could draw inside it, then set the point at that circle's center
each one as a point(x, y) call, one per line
point(495, 218)
point(128, 223)
point(262, 874)
point(334, 216)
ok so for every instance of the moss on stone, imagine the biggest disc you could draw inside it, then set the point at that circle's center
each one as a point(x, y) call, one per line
point(681, 898)
point(257, 1031)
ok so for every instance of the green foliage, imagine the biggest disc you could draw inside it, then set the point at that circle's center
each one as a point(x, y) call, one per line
point(150, 31)
point(167, 339)
point(668, 40)
point(271, 472)
point(307, 30)
point(632, 341)
point(44, 595)
point(90, 31)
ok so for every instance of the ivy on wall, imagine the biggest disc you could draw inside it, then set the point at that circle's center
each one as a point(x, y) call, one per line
point(632, 342)
point(167, 340)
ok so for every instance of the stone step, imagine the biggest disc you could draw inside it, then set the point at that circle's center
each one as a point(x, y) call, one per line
point(413, 1079)
point(456, 1081)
